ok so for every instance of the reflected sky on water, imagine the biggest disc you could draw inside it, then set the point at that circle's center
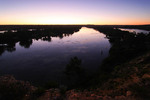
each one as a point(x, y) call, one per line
point(135, 30)
point(47, 60)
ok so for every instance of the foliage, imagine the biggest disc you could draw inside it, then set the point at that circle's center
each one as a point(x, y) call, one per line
point(75, 73)
point(12, 89)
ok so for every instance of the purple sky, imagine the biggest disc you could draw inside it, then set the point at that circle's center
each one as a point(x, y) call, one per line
point(74, 11)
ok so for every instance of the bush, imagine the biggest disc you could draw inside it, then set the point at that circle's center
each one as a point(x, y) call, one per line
point(12, 89)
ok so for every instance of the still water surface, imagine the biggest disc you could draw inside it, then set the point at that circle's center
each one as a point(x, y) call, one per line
point(135, 30)
point(47, 60)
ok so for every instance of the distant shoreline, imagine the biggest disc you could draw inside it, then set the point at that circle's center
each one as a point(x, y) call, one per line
point(69, 25)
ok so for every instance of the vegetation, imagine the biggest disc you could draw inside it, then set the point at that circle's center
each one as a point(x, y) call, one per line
point(75, 74)
point(12, 89)
point(125, 74)
point(25, 35)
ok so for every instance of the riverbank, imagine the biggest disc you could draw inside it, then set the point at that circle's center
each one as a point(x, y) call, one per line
point(124, 74)
point(129, 81)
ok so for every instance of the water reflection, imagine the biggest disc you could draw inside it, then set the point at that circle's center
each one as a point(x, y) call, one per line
point(47, 55)
point(135, 30)
point(31, 29)
point(13, 31)
point(3, 31)
point(24, 35)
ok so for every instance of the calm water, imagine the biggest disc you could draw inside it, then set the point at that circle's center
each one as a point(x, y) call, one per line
point(135, 30)
point(3, 31)
point(47, 60)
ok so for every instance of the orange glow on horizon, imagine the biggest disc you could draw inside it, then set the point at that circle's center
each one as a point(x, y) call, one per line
point(71, 20)
point(97, 12)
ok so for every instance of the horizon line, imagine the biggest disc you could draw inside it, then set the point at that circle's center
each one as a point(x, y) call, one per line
point(75, 24)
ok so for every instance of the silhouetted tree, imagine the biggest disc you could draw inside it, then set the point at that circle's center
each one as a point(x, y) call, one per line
point(74, 72)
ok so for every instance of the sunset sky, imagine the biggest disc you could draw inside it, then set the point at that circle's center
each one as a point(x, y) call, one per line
point(96, 12)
